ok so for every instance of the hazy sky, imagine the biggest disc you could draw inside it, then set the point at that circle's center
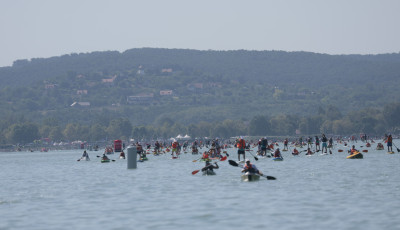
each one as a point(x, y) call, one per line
point(40, 28)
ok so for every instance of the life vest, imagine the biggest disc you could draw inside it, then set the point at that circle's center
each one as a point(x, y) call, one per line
point(389, 139)
point(241, 144)
point(249, 168)
point(139, 148)
point(174, 145)
point(205, 155)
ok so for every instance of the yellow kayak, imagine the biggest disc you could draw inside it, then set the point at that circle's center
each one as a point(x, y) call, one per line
point(356, 155)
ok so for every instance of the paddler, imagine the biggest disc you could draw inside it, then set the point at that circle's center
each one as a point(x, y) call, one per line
point(324, 143)
point(251, 168)
point(209, 166)
point(85, 154)
point(104, 158)
point(122, 154)
point(277, 153)
point(353, 150)
point(264, 144)
point(174, 148)
point(390, 143)
point(139, 150)
point(285, 144)
point(241, 145)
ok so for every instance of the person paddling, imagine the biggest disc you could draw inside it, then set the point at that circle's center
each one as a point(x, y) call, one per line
point(209, 167)
point(353, 150)
point(104, 157)
point(324, 143)
point(277, 153)
point(85, 156)
point(122, 154)
point(390, 143)
point(250, 168)
point(241, 145)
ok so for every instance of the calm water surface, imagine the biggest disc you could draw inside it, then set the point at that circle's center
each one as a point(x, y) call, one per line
point(53, 191)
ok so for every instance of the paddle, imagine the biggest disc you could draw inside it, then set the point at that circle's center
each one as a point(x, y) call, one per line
point(253, 155)
point(221, 159)
point(233, 163)
point(398, 150)
point(196, 159)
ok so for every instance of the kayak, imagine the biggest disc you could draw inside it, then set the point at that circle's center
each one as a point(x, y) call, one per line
point(278, 159)
point(380, 148)
point(250, 177)
point(105, 160)
point(174, 158)
point(209, 173)
point(121, 157)
point(356, 155)
point(84, 159)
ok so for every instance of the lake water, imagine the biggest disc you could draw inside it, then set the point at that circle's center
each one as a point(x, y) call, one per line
point(53, 191)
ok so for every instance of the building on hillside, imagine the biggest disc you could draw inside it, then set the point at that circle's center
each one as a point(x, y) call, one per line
point(215, 85)
point(166, 92)
point(140, 70)
point(169, 70)
point(195, 87)
point(144, 98)
point(50, 86)
point(109, 81)
point(82, 92)
point(80, 104)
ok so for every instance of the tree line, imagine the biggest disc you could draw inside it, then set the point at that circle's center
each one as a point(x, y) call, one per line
point(329, 120)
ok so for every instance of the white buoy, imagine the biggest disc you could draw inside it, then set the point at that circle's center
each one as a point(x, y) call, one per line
point(132, 157)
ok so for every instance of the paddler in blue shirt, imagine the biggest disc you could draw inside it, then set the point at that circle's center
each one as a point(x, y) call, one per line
point(251, 168)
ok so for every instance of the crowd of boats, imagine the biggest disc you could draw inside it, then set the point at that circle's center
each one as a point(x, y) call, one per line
point(216, 150)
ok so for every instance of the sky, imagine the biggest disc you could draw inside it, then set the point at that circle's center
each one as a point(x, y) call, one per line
point(47, 28)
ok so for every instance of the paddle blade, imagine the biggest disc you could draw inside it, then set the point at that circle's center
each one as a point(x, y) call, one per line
point(270, 177)
point(195, 171)
point(223, 158)
point(233, 163)
point(256, 158)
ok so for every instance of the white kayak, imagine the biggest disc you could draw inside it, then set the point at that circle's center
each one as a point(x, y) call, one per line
point(250, 177)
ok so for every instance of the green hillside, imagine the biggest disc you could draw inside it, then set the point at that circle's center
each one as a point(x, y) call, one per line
point(147, 86)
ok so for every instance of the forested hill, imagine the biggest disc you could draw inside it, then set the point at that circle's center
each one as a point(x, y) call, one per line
point(275, 67)
point(148, 85)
